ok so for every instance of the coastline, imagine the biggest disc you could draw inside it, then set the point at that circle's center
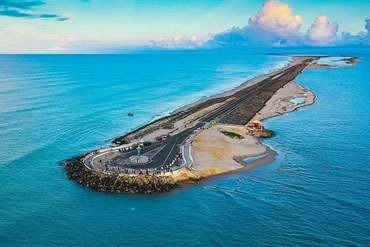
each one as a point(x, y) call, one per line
point(245, 84)
point(203, 103)
point(277, 105)
point(189, 115)
point(250, 147)
point(222, 96)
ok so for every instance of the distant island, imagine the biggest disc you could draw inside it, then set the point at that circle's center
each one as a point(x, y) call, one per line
point(217, 135)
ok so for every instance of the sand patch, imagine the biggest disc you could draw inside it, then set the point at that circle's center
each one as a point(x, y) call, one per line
point(214, 153)
point(280, 102)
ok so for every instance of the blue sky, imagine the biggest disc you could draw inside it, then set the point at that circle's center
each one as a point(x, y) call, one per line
point(73, 26)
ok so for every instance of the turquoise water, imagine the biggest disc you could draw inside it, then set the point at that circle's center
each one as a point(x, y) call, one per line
point(298, 101)
point(246, 160)
point(334, 61)
point(54, 107)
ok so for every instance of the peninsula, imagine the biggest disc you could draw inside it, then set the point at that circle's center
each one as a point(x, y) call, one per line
point(214, 136)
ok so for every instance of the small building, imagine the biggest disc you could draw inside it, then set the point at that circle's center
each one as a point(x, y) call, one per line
point(256, 129)
point(256, 124)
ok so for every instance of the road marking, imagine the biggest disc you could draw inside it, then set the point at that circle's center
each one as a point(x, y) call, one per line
point(114, 150)
point(219, 112)
point(170, 152)
point(159, 150)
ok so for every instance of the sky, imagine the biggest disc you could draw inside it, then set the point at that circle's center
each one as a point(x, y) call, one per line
point(94, 26)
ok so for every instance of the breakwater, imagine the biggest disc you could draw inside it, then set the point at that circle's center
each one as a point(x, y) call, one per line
point(243, 105)
point(114, 183)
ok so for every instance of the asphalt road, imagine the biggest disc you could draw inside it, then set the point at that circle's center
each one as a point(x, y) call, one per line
point(171, 146)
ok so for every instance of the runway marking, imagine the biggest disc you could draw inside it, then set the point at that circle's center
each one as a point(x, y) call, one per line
point(170, 152)
point(159, 150)
point(220, 112)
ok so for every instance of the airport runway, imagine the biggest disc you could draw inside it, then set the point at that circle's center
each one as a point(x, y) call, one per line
point(166, 150)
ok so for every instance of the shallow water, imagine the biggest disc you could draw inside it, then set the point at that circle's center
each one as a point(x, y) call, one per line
point(54, 107)
point(298, 101)
point(246, 160)
point(334, 61)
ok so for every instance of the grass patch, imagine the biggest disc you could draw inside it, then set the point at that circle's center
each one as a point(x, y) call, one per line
point(232, 135)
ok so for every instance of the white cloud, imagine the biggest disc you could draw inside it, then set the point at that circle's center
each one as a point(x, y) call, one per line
point(178, 43)
point(274, 25)
point(359, 39)
point(322, 32)
point(277, 18)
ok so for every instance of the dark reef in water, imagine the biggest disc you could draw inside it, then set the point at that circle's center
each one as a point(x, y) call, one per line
point(103, 182)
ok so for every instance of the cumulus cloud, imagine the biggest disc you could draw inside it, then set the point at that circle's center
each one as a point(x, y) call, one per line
point(275, 25)
point(24, 9)
point(359, 39)
point(277, 18)
point(322, 32)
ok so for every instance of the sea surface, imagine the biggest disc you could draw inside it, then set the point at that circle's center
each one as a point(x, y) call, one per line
point(53, 107)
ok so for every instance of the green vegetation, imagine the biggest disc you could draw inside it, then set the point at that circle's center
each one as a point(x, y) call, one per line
point(232, 135)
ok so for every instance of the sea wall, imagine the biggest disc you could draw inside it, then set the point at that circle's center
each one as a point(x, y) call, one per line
point(103, 182)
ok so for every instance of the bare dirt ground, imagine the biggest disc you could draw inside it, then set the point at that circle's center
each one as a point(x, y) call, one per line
point(280, 101)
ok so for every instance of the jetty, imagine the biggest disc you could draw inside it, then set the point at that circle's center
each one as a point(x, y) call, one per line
point(122, 168)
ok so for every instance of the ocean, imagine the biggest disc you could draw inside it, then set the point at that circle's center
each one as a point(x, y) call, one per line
point(53, 107)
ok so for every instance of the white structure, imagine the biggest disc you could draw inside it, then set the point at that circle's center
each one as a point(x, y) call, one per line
point(138, 159)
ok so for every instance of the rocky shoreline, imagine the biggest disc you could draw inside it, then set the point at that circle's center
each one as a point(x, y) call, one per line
point(102, 182)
